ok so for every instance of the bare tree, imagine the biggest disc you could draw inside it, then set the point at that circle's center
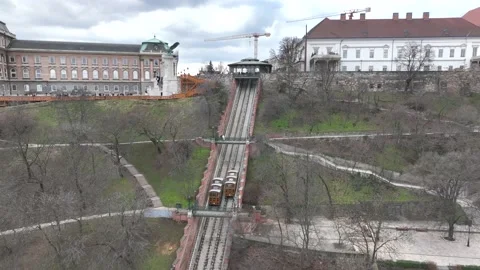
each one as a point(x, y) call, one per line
point(75, 119)
point(287, 59)
point(448, 175)
point(364, 229)
point(325, 74)
point(414, 58)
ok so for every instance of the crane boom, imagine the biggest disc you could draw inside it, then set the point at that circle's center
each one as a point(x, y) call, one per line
point(330, 15)
point(254, 35)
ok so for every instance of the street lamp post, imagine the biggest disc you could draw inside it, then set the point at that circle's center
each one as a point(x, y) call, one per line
point(469, 224)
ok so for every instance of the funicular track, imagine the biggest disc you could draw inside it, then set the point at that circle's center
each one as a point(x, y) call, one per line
point(211, 239)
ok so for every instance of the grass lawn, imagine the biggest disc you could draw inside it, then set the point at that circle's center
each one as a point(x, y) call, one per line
point(166, 237)
point(335, 123)
point(167, 184)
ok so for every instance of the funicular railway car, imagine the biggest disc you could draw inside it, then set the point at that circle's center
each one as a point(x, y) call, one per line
point(216, 192)
point(230, 186)
point(232, 172)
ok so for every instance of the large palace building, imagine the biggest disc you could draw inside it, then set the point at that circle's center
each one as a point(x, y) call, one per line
point(57, 67)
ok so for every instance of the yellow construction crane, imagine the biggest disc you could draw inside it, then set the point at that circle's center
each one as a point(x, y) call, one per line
point(350, 15)
point(254, 35)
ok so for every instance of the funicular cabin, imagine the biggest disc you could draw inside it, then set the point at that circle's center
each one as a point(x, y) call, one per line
point(232, 172)
point(230, 186)
point(215, 195)
point(249, 68)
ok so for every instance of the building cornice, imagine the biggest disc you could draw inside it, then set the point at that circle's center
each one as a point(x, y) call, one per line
point(71, 51)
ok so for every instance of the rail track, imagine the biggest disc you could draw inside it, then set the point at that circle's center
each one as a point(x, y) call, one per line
point(211, 239)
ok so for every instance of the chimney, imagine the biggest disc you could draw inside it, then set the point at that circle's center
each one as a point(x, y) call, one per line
point(343, 17)
point(395, 16)
point(426, 15)
point(409, 15)
point(362, 16)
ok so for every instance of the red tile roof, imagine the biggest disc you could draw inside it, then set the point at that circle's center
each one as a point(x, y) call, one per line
point(473, 16)
point(390, 28)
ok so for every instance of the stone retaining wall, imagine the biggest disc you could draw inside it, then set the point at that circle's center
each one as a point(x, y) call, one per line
point(255, 107)
point(226, 114)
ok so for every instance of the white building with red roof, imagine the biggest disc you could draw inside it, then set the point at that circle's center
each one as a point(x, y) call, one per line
point(374, 44)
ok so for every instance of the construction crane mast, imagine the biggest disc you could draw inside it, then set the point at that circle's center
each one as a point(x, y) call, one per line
point(350, 16)
point(255, 40)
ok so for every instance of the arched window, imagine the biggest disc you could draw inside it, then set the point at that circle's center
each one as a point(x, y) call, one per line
point(74, 73)
point(13, 73)
point(63, 74)
point(105, 74)
point(115, 74)
point(26, 74)
point(26, 87)
point(135, 75)
point(53, 74)
point(147, 75)
point(85, 74)
point(125, 75)
point(116, 88)
point(105, 88)
point(95, 74)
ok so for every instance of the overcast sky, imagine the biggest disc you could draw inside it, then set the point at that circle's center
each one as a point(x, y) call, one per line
point(191, 21)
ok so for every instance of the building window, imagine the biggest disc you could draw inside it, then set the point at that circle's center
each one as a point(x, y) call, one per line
point(115, 61)
point(462, 67)
point(13, 73)
point(73, 61)
point(427, 53)
point(95, 74)
point(439, 68)
point(14, 87)
point(450, 68)
point(105, 61)
point(345, 53)
point(399, 68)
point(135, 62)
point(26, 88)
point(370, 68)
point(54, 88)
point(12, 59)
point(96, 88)
point(94, 61)
point(115, 74)
point(37, 59)
point(452, 52)
point(116, 88)
point(174, 69)
point(372, 53)
point(147, 75)
point(384, 68)
point(1, 58)
point(38, 73)
point(344, 68)
point(74, 74)
point(105, 74)
point(53, 74)
point(426, 68)
point(105, 88)
point(26, 74)
point(85, 87)
point(357, 52)
point(135, 75)
point(357, 68)
point(63, 74)
point(155, 62)
point(399, 53)
point(125, 75)
point(462, 53)
point(63, 60)
point(146, 63)
point(84, 61)
point(135, 88)
point(24, 59)
point(52, 59)
point(440, 53)
point(125, 89)
point(125, 61)
point(385, 53)
point(84, 74)
point(475, 49)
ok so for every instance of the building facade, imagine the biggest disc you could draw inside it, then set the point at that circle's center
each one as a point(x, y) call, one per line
point(54, 67)
point(376, 44)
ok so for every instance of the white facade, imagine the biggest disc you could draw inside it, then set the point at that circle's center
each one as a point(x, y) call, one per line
point(380, 54)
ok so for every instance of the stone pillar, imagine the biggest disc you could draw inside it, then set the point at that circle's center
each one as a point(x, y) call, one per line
point(170, 79)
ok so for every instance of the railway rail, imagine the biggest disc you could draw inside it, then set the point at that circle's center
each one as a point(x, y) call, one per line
point(212, 237)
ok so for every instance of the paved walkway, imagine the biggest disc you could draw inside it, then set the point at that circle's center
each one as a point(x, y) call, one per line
point(416, 246)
